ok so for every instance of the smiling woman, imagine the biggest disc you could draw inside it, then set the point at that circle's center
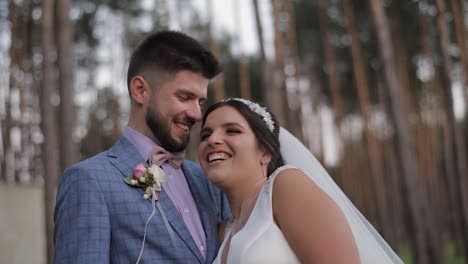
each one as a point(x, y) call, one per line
point(240, 153)
point(228, 146)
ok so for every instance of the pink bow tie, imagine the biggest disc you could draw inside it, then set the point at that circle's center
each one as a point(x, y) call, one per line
point(160, 155)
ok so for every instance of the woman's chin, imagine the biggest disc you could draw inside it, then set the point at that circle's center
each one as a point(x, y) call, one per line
point(218, 179)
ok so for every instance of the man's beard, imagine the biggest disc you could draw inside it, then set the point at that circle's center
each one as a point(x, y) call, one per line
point(162, 132)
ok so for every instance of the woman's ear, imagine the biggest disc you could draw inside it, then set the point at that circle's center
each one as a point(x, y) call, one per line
point(139, 90)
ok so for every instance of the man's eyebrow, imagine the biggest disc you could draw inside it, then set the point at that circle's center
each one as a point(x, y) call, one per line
point(186, 92)
point(191, 94)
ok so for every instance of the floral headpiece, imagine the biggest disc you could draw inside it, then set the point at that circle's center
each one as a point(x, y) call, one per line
point(256, 108)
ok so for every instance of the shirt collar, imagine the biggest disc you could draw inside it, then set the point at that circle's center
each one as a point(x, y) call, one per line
point(142, 143)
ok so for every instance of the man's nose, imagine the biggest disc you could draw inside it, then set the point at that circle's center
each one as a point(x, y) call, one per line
point(194, 112)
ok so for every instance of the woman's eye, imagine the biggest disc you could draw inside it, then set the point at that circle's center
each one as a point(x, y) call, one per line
point(204, 136)
point(232, 131)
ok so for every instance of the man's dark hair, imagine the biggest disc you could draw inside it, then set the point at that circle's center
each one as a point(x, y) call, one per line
point(267, 140)
point(170, 52)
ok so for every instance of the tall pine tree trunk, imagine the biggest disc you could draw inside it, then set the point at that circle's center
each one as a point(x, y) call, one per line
point(68, 152)
point(331, 62)
point(402, 63)
point(278, 88)
point(374, 153)
point(7, 165)
point(397, 209)
point(23, 155)
point(449, 216)
point(219, 93)
point(455, 140)
point(295, 115)
point(263, 61)
point(50, 155)
point(422, 222)
point(334, 80)
point(459, 21)
point(244, 78)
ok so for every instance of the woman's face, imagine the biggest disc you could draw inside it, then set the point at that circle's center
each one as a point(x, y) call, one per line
point(228, 152)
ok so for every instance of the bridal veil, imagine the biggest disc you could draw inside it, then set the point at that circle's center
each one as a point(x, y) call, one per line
point(372, 247)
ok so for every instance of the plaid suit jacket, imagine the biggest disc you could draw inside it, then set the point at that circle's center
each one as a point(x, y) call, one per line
point(101, 219)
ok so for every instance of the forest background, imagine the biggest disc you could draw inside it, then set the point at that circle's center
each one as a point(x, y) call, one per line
point(376, 89)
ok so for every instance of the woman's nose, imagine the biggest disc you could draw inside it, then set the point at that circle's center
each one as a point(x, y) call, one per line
point(214, 138)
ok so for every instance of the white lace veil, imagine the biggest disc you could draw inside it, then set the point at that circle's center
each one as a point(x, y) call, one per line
point(372, 247)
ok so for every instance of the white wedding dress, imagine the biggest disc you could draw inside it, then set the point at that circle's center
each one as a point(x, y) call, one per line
point(260, 240)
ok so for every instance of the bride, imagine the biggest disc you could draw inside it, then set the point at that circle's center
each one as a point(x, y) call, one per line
point(290, 213)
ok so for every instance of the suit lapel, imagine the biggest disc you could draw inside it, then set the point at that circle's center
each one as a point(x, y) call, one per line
point(124, 156)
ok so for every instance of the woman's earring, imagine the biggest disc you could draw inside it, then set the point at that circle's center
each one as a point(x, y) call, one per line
point(264, 162)
point(264, 167)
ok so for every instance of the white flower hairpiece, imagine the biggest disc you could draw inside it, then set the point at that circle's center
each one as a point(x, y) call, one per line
point(261, 111)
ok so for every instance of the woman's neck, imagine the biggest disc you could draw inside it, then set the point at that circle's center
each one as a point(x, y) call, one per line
point(243, 198)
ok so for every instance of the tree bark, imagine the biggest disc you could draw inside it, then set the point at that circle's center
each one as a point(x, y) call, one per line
point(263, 61)
point(279, 97)
point(219, 93)
point(455, 140)
point(334, 82)
point(331, 62)
point(428, 246)
point(24, 154)
point(374, 152)
point(403, 67)
point(68, 152)
point(50, 155)
point(397, 210)
point(445, 196)
point(244, 78)
point(7, 121)
point(295, 115)
point(459, 21)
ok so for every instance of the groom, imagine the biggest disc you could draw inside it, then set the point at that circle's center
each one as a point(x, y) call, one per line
point(99, 218)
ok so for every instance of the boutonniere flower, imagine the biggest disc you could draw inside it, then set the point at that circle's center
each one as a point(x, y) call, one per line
point(149, 178)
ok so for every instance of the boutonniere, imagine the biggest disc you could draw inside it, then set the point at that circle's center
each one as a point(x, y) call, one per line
point(149, 178)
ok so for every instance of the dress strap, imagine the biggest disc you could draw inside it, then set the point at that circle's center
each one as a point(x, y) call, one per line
point(271, 179)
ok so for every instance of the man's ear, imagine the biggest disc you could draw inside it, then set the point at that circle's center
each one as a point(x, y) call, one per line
point(139, 90)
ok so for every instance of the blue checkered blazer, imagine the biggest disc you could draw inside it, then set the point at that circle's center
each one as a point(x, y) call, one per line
point(101, 219)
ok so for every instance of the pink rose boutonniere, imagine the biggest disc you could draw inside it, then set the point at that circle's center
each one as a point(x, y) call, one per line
point(150, 178)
